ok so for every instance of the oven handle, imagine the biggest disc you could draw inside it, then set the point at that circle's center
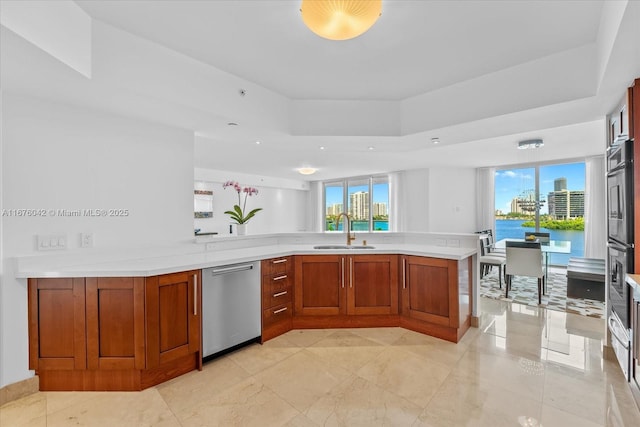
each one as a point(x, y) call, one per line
point(625, 344)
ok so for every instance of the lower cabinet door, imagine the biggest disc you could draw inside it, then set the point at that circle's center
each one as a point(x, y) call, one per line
point(320, 285)
point(372, 284)
point(115, 323)
point(429, 290)
point(57, 328)
point(173, 316)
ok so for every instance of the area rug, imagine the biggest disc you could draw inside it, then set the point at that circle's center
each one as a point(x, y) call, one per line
point(524, 290)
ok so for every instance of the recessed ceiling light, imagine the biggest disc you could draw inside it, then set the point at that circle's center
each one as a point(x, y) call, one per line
point(307, 171)
point(258, 142)
point(322, 147)
point(232, 124)
point(435, 140)
point(371, 148)
point(530, 143)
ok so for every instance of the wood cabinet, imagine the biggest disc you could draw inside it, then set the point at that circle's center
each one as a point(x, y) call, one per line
point(320, 285)
point(115, 322)
point(173, 317)
point(57, 324)
point(113, 333)
point(372, 284)
point(436, 296)
point(347, 285)
point(277, 296)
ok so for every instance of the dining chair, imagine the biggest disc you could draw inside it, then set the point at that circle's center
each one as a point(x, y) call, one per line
point(488, 260)
point(524, 259)
point(542, 237)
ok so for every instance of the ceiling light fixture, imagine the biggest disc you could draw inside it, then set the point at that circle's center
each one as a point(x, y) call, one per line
point(307, 171)
point(371, 148)
point(530, 143)
point(340, 19)
point(435, 140)
point(258, 142)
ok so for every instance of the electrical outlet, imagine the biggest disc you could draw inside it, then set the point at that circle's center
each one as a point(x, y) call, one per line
point(86, 240)
point(52, 242)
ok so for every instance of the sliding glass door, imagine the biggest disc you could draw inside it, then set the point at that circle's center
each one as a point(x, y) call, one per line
point(546, 198)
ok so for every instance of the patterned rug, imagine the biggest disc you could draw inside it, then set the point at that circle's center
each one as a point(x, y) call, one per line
point(524, 290)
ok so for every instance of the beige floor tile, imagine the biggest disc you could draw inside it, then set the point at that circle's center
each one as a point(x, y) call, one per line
point(384, 336)
point(307, 337)
point(522, 362)
point(29, 411)
point(300, 421)
point(576, 394)
point(554, 417)
point(303, 378)
point(358, 402)
point(217, 376)
point(123, 409)
point(513, 344)
point(431, 348)
point(406, 374)
point(246, 404)
point(257, 357)
point(346, 338)
point(461, 402)
point(518, 375)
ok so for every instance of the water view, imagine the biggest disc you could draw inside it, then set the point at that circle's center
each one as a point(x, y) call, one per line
point(512, 228)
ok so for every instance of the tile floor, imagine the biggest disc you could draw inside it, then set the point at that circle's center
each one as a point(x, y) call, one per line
point(523, 366)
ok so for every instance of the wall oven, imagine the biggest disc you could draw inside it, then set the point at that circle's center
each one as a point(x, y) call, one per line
point(620, 192)
point(620, 250)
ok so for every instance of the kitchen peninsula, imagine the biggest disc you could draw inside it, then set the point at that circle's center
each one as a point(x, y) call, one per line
point(128, 321)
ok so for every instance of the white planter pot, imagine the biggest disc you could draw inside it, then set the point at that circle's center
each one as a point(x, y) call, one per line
point(241, 229)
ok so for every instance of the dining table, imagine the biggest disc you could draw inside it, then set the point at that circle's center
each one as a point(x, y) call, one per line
point(548, 247)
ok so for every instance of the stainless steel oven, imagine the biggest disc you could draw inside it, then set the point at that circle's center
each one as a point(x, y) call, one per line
point(620, 263)
point(620, 192)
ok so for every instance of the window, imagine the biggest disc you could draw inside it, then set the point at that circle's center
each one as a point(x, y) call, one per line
point(548, 198)
point(366, 200)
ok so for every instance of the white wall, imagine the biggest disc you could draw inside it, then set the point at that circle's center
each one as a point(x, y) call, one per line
point(59, 157)
point(452, 200)
point(283, 203)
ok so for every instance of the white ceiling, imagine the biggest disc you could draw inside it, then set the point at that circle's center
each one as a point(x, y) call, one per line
point(480, 75)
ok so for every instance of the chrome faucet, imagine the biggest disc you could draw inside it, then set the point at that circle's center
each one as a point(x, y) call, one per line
point(350, 237)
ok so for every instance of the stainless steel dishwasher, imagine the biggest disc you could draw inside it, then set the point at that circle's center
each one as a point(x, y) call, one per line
point(231, 307)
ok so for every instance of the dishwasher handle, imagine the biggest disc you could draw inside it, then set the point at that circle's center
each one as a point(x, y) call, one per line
point(228, 269)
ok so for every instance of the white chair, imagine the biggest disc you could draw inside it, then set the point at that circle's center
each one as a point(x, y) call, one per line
point(488, 260)
point(524, 259)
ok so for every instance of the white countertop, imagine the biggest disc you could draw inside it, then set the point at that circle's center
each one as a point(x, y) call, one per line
point(196, 256)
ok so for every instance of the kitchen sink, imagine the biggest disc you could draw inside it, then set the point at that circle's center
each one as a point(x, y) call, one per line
point(343, 247)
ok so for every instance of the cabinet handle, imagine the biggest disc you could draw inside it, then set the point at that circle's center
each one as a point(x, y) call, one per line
point(404, 273)
point(278, 261)
point(279, 294)
point(343, 272)
point(195, 294)
point(280, 311)
point(351, 272)
point(279, 277)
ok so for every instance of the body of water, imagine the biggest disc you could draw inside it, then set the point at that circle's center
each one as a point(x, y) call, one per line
point(364, 225)
point(509, 228)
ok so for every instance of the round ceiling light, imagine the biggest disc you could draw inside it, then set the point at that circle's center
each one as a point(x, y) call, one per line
point(340, 19)
point(307, 171)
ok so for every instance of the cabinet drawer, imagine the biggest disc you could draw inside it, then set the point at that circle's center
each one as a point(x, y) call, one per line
point(277, 297)
point(275, 282)
point(276, 314)
point(277, 265)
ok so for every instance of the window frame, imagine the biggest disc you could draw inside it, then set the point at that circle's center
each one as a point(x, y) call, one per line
point(344, 182)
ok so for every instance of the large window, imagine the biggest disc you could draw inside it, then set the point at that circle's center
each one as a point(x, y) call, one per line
point(547, 198)
point(366, 200)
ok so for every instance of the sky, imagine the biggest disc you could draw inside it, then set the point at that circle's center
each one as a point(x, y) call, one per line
point(510, 183)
